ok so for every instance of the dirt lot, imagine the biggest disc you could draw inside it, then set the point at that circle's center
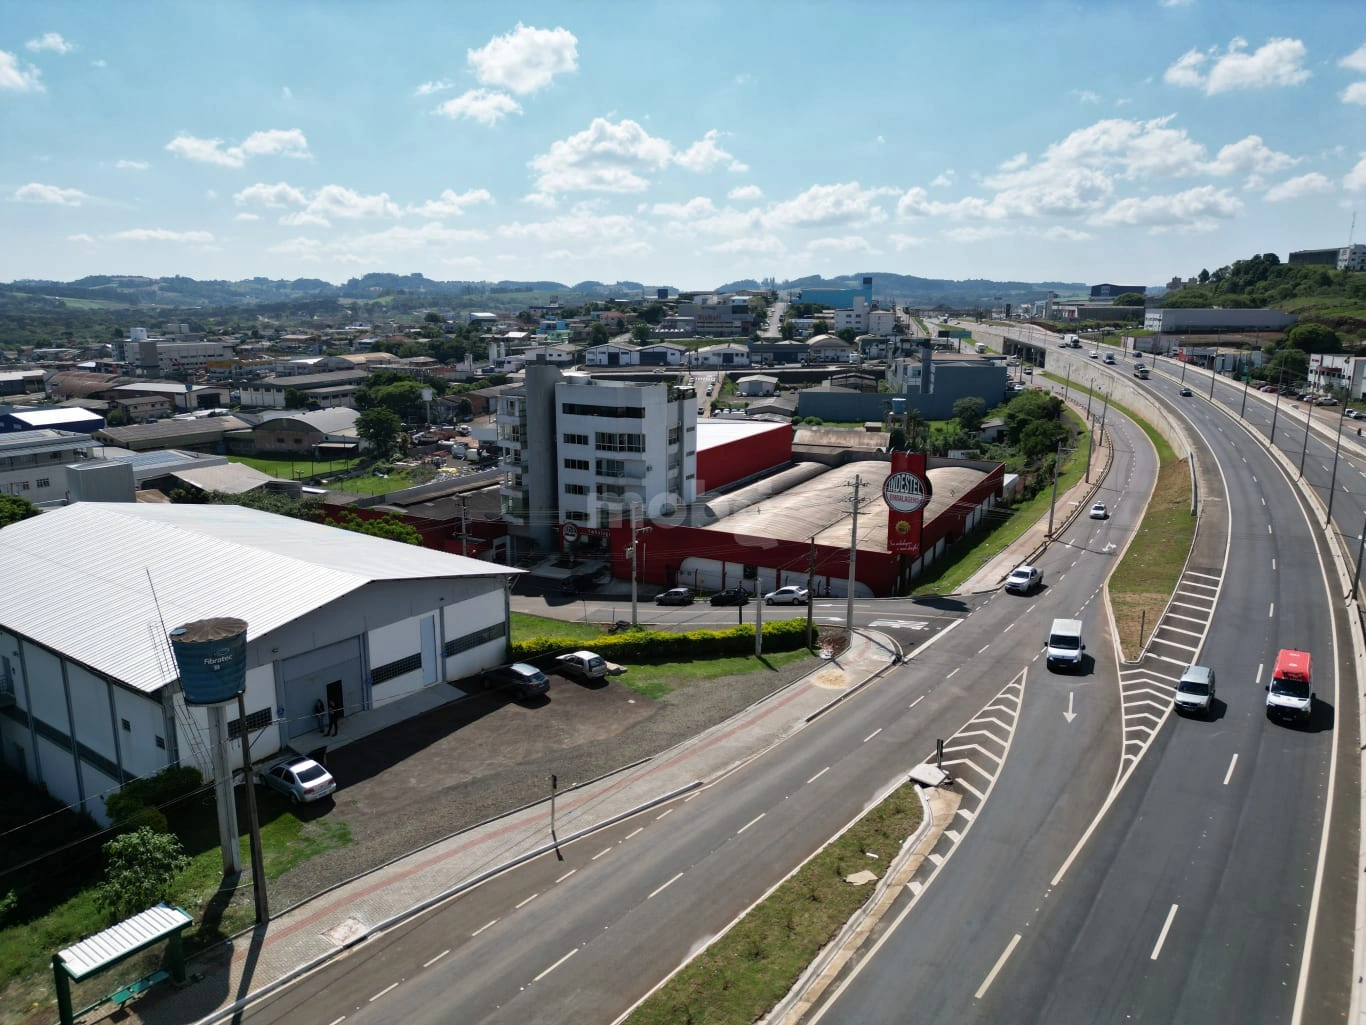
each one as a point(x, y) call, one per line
point(472, 760)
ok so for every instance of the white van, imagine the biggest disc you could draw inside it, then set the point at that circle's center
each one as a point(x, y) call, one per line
point(1064, 644)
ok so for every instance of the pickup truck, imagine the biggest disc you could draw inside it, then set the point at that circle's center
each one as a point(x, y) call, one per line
point(582, 665)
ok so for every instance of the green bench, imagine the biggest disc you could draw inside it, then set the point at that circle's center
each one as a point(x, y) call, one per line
point(136, 989)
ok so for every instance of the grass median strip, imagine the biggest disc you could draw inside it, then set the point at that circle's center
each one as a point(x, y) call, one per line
point(741, 976)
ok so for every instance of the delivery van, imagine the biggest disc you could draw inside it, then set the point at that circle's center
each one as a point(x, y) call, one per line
point(981, 347)
point(1290, 694)
point(1064, 644)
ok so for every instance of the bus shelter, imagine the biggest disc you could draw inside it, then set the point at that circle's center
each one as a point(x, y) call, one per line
point(116, 944)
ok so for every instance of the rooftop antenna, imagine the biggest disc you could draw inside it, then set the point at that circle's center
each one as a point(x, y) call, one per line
point(1352, 232)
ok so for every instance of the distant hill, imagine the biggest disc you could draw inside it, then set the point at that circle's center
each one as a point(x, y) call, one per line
point(179, 291)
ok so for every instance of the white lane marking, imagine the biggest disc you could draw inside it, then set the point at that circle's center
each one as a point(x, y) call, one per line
point(566, 875)
point(556, 965)
point(661, 889)
point(1268, 528)
point(526, 902)
point(1273, 564)
point(750, 822)
point(1263, 501)
point(818, 775)
point(666, 811)
point(483, 927)
point(1260, 666)
point(1000, 963)
point(1271, 612)
point(1229, 775)
point(1162, 937)
point(605, 850)
point(872, 735)
point(922, 697)
point(386, 989)
point(983, 648)
point(434, 960)
point(949, 677)
point(1005, 631)
point(337, 1021)
point(638, 829)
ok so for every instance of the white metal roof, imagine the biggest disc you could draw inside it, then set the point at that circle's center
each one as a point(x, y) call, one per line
point(118, 941)
point(80, 579)
point(57, 416)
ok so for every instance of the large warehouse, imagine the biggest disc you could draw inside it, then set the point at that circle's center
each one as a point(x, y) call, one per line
point(88, 690)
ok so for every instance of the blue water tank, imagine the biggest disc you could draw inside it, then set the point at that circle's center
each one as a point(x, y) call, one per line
point(212, 657)
point(898, 405)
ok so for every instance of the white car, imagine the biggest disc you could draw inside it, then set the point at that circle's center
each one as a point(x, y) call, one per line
point(299, 779)
point(1099, 512)
point(1024, 579)
point(791, 595)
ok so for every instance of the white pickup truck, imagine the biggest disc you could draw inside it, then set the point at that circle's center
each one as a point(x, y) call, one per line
point(582, 665)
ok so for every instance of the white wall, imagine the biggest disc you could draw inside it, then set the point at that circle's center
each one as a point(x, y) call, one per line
point(395, 641)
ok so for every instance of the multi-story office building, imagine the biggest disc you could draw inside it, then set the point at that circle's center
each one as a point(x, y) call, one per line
point(33, 463)
point(578, 454)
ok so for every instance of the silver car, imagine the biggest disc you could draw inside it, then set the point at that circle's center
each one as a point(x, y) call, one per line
point(1195, 691)
point(300, 779)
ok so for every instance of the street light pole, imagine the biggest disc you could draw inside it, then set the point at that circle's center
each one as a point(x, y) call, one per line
point(1333, 481)
point(1308, 423)
point(1213, 373)
point(1247, 379)
point(1057, 461)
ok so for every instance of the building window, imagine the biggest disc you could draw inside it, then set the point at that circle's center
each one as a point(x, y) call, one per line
point(23, 486)
point(161, 743)
point(576, 489)
point(257, 720)
point(607, 441)
point(576, 439)
point(127, 726)
point(396, 668)
point(576, 464)
point(43, 482)
point(576, 516)
point(675, 435)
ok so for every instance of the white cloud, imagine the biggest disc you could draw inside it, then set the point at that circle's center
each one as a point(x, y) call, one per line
point(483, 105)
point(34, 192)
point(427, 88)
point(975, 233)
point(578, 226)
point(525, 59)
point(828, 205)
point(745, 192)
point(1194, 207)
point(605, 157)
point(1014, 163)
point(337, 201)
point(210, 194)
point(705, 154)
point(286, 93)
point(162, 235)
point(398, 240)
point(1294, 188)
point(82, 238)
point(1058, 233)
point(845, 244)
point(699, 206)
point(132, 165)
point(1355, 179)
point(278, 195)
point(1252, 157)
point(759, 245)
point(1085, 96)
point(299, 248)
point(880, 140)
point(1356, 60)
point(247, 217)
point(944, 179)
point(50, 41)
point(451, 203)
point(273, 142)
point(1279, 62)
point(1355, 93)
point(18, 79)
point(1177, 3)
point(99, 63)
point(545, 202)
point(904, 242)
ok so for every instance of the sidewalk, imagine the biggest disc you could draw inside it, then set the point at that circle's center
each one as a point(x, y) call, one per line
point(300, 938)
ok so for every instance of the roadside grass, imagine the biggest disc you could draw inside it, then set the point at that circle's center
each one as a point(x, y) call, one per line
point(1005, 527)
point(523, 626)
point(654, 680)
point(741, 976)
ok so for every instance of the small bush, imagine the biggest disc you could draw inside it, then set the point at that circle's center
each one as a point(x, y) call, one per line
point(663, 646)
point(152, 792)
point(145, 817)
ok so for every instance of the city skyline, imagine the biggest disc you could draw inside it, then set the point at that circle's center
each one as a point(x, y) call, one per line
point(609, 142)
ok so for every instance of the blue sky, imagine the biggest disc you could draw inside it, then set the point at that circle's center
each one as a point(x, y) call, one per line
point(682, 144)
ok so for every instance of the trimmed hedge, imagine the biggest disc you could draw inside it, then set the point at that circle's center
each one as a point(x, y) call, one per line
point(645, 646)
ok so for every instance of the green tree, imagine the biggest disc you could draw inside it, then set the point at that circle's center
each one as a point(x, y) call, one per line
point(1204, 276)
point(846, 334)
point(387, 526)
point(640, 331)
point(653, 314)
point(597, 334)
point(917, 431)
point(820, 327)
point(1314, 338)
point(13, 508)
point(433, 317)
point(141, 869)
point(295, 399)
point(1039, 438)
point(379, 429)
point(969, 412)
point(1128, 299)
point(788, 331)
point(896, 439)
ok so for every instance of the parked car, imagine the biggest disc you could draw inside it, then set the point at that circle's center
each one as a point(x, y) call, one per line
point(523, 680)
point(731, 596)
point(582, 665)
point(675, 596)
point(1024, 579)
point(298, 778)
point(790, 595)
point(1099, 512)
point(1325, 400)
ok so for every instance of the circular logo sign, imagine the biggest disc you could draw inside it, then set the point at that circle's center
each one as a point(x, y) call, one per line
point(905, 492)
point(569, 532)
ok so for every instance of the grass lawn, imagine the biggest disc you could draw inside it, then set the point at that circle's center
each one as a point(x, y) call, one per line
point(742, 975)
point(656, 680)
point(294, 469)
point(523, 626)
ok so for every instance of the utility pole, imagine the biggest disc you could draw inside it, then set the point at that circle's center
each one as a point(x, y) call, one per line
point(1057, 462)
point(1068, 383)
point(1276, 408)
point(1090, 444)
point(258, 860)
point(1308, 423)
point(1247, 379)
point(1213, 373)
point(464, 529)
point(810, 592)
point(1333, 481)
point(853, 556)
point(1361, 547)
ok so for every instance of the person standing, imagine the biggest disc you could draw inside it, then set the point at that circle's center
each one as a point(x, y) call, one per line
point(334, 716)
point(320, 711)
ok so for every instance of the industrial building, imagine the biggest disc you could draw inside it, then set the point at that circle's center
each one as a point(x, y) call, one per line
point(53, 418)
point(89, 697)
point(1214, 321)
point(33, 464)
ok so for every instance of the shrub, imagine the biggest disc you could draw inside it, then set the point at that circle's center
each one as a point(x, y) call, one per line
point(645, 646)
point(152, 791)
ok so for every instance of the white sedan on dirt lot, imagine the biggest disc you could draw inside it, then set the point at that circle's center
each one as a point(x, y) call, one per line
point(791, 595)
point(299, 779)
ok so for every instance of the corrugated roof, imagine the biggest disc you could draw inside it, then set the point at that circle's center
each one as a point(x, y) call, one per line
point(77, 578)
point(118, 941)
point(232, 479)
